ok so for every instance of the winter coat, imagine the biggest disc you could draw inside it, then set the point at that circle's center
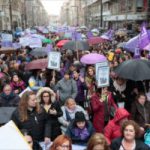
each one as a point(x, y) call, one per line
point(123, 96)
point(18, 86)
point(81, 86)
point(55, 125)
point(98, 108)
point(112, 130)
point(66, 88)
point(37, 124)
point(141, 114)
point(47, 89)
point(68, 116)
point(115, 145)
point(9, 101)
point(79, 136)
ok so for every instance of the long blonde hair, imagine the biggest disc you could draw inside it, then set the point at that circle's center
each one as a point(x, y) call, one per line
point(23, 106)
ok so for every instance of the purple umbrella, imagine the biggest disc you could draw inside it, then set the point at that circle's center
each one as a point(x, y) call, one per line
point(92, 58)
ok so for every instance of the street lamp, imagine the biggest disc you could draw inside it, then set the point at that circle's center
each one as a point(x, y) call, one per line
point(101, 13)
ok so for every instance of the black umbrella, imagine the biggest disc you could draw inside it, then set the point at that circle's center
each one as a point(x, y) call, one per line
point(134, 69)
point(39, 52)
point(76, 45)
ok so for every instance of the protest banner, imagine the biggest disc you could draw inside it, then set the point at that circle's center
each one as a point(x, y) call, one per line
point(54, 60)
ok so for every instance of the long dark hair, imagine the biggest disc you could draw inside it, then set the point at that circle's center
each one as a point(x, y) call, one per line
point(42, 101)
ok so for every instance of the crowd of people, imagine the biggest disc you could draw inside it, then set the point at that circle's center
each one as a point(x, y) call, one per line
point(67, 107)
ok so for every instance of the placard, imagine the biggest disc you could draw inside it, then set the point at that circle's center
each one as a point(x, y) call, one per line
point(6, 37)
point(35, 42)
point(100, 64)
point(103, 76)
point(54, 60)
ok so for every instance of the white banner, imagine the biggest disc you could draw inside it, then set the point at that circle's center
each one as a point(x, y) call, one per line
point(6, 37)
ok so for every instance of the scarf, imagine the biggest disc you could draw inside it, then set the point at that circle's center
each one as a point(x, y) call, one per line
point(119, 88)
point(8, 97)
point(82, 133)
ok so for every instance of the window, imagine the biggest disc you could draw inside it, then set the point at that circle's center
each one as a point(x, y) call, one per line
point(139, 5)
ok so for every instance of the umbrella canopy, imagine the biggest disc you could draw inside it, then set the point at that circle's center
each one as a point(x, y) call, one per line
point(92, 58)
point(61, 43)
point(47, 41)
point(76, 45)
point(96, 40)
point(134, 69)
point(37, 64)
point(121, 45)
point(39, 52)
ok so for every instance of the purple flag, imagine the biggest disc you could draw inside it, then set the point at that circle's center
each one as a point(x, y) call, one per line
point(76, 36)
point(49, 47)
point(108, 35)
point(143, 37)
point(137, 53)
point(89, 35)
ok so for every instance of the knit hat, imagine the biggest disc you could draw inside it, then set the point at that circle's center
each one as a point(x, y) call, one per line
point(79, 116)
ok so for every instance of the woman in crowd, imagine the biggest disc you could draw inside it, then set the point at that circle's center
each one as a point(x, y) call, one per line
point(8, 98)
point(90, 81)
point(34, 145)
point(30, 116)
point(97, 142)
point(66, 87)
point(47, 99)
point(140, 111)
point(121, 91)
point(69, 111)
point(130, 131)
point(17, 84)
point(112, 130)
point(80, 130)
point(81, 86)
point(62, 142)
point(102, 105)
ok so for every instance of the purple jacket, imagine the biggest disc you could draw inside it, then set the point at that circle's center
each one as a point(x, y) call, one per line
point(81, 87)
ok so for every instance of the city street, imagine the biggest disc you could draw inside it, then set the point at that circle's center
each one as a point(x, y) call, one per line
point(74, 75)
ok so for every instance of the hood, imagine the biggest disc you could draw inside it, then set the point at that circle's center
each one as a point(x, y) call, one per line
point(120, 114)
point(53, 95)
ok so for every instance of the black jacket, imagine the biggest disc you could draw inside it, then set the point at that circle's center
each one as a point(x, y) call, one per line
point(38, 124)
point(141, 114)
point(115, 145)
point(9, 101)
point(55, 125)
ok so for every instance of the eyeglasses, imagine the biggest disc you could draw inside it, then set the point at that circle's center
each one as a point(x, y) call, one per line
point(46, 96)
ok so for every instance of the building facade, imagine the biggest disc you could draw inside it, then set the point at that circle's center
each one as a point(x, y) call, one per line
point(125, 13)
point(116, 13)
point(72, 13)
point(22, 13)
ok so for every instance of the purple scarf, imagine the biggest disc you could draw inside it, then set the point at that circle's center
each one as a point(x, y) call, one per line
point(82, 133)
